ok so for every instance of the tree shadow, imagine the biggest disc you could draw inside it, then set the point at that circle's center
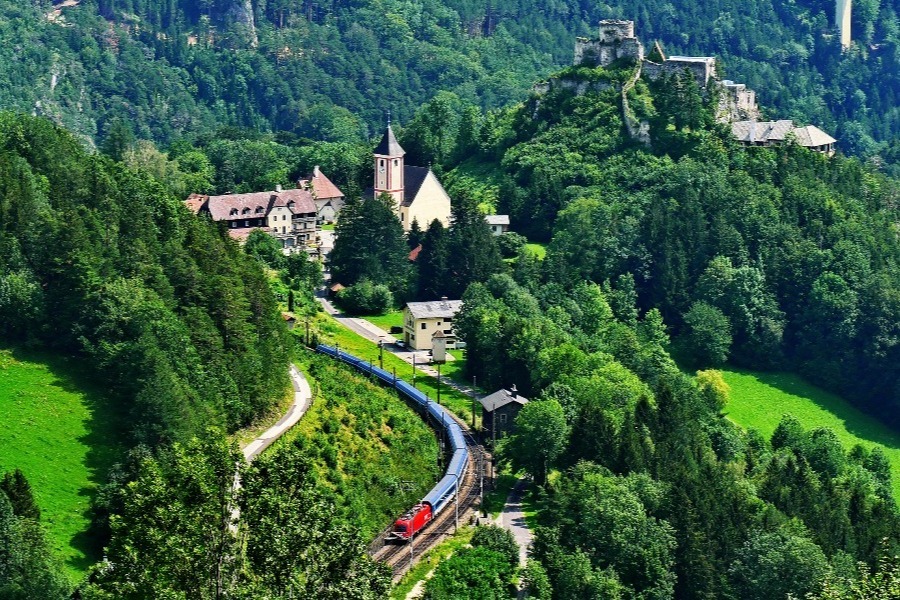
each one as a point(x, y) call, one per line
point(104, 439)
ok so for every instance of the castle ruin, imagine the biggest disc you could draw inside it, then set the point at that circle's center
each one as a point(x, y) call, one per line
point(736, 102)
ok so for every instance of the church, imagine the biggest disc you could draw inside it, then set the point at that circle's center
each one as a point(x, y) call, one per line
point(418, 194)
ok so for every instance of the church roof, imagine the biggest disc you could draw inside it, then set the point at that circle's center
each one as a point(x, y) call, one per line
point(413, 178)
point(389, 146)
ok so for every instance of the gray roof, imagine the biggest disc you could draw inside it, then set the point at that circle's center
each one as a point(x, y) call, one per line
point(502, 398)
point(413, 178)
point(435, 309)
point(497, 219)
point(691, 59)
point(811, 136)
point(389, 146)
point(752, 132)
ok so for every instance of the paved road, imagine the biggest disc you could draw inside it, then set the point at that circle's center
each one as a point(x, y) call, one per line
point(375, 334)
point(302, 400)
point(513, 519)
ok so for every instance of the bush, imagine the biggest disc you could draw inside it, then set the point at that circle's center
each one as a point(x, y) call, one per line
point(511, 244)
point(365, 298)
point(499, 540)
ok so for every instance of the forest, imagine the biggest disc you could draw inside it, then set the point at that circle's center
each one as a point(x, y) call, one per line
point(331, 70)
point(662, 263)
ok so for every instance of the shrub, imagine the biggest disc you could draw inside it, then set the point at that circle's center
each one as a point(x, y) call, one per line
point(366, 298)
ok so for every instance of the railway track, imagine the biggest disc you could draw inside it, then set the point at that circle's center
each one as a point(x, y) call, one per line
point(402, 556)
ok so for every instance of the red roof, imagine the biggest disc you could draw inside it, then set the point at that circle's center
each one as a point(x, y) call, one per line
point(414, 254)
point(241, 233)
point(230, 207)
point(195, 202)
point(288, 317)
point(322, 187)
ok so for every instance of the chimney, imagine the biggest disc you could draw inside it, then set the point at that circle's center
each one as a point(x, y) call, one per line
point(513, 391)
point(444, 303)
point(278, 188)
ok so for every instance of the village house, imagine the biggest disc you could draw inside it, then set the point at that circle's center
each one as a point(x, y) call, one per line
point(287, 215)
point(421, 320)
point(328, 197)
point(499, 411)
point(499, 224)
point(417, 192)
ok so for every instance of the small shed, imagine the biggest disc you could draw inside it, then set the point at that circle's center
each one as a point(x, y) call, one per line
point(333, 290)
point(499, 224)
point(439, 346)
point(499, 411)
point(290, 319)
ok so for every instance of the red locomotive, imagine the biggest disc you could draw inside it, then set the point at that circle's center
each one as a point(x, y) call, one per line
point(412, 522)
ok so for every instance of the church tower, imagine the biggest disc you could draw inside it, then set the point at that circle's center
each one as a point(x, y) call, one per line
point(389, 167)
point(843, 11)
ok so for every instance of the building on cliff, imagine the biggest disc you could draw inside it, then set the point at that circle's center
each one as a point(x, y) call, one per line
point(773, 133)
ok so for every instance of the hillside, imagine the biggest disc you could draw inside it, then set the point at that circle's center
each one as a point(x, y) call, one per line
point(62, 434)
point(331, 70)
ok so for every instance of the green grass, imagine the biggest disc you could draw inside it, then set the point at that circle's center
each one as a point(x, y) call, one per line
point(495, 500)
point(388, 320)
point(371, 452)
point(759, 400)
point(430, 561)
point(62, 434)
point(331, 332)
point(328, 227)
point(539, 250)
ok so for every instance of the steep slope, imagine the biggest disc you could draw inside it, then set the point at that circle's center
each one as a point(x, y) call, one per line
point(332, 69)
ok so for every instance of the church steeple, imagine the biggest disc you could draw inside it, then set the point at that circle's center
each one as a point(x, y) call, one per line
point(389, 166)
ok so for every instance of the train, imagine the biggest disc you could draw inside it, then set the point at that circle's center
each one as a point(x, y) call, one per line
point(446, 490)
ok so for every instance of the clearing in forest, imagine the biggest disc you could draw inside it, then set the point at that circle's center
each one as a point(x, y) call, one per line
point(759, 400)
point(61, 434)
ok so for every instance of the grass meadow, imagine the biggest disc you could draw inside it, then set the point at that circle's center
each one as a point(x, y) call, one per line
point(59, 431)
point(759, 400)
point(332, 332)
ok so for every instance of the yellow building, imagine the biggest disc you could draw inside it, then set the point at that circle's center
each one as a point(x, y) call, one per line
point(417, 193)
point(421, 320)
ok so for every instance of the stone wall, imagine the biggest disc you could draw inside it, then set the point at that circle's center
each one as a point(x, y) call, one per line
point(616, 41)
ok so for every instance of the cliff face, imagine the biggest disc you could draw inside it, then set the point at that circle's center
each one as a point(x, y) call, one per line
point(240, 14)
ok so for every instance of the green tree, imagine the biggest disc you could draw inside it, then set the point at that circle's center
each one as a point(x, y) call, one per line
point(775, 564)
point(539, 438)
point(369, 244)
point(21, 498)
point(432, 263)
point(473, 253)
point(708, 335)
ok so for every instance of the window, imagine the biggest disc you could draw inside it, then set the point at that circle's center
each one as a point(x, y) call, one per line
point(439, 323)
point(283, 228)
point(401, 217)
point(246, 223)
point(246, 211)
point(503, 419)
point(232, 224)
point(447, 320)
point(424, 326)
point(234, 211)
point(396, 162)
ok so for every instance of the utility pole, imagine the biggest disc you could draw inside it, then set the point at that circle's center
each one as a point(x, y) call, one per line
point(439, 384)
point(474, 394)
point(381, 354)
point(414, 370)
point(493, 444)
point(307, 332)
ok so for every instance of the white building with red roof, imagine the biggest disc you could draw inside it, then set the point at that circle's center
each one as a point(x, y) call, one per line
point(328, 197)
point(288, 215)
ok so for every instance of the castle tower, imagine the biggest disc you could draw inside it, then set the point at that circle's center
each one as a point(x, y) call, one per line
point(389, 166)
point(842, 16)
